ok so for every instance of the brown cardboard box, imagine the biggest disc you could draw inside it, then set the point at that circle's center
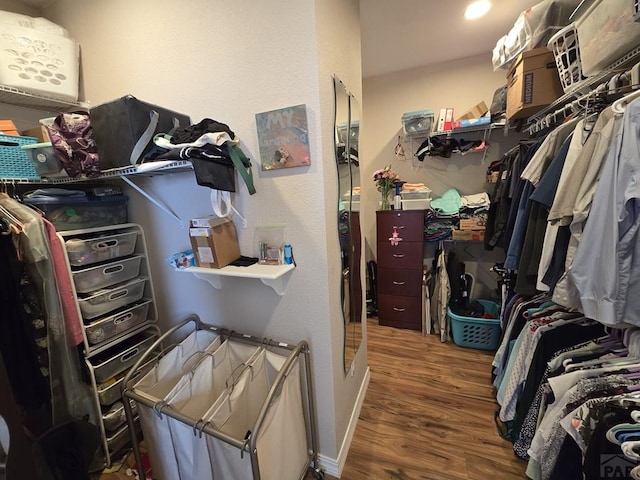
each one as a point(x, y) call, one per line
point(40, 133)
point(476, 111)
point(474, 223)
point(532, 83)
point(214, 241)
point(468, 235)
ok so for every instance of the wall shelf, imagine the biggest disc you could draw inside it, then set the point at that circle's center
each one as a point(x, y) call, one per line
point(20, 98)
point(274, 276)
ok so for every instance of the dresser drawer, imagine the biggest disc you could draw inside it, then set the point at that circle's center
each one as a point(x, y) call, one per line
point(407, 283)
point(400, 312)
point(409, 223)
point(407, 255)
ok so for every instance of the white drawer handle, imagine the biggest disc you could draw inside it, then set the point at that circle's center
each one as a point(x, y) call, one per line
point(129, 355)
point(106, 244)
point(124, 318)
point(396, 309)
point(119, 294)
point(398, 255)
point(398, 283)
point(113, 269)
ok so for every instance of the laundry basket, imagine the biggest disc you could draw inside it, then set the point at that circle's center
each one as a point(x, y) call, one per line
point(14, 162)
point(566, 50)
point(473, 332)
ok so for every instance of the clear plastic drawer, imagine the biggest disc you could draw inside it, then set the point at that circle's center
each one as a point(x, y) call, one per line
point(106, 274)
point(121, 357)
point(110, 299)
point(115, 417)
point(87, 251)
point(119, 322)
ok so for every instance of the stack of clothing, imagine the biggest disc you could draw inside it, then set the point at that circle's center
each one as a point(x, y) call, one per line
point(475, 207)
point(443, 216)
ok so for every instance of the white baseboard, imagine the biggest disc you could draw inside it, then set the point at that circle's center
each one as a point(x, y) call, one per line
point(334, 466)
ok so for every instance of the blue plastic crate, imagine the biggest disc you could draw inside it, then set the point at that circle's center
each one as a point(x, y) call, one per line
point(472, 332)
point(14, 162)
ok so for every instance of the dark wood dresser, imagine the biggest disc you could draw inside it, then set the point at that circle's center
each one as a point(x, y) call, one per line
point(400, 268)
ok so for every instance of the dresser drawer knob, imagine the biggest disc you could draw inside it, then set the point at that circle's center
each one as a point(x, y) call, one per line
point(398, 283)
point(396, 309)
point(398, 255)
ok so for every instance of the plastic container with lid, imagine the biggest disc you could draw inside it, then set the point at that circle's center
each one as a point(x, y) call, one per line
point(44, 159)
point(75, 212)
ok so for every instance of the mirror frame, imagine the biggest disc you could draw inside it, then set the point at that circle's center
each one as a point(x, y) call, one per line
point(348, 221)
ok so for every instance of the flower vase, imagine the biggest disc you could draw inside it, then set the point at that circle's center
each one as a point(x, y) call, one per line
point(384, 205)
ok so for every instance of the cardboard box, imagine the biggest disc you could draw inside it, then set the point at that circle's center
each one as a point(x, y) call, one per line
point(468, 235)
point(214, 241)
point(532, 83)
point(476, 111)
point(475, 223)
point(40, 133)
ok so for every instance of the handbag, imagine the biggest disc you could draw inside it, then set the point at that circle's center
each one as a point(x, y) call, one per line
point(73, 142)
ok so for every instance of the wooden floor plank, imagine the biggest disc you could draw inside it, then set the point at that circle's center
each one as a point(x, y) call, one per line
point(427, 415)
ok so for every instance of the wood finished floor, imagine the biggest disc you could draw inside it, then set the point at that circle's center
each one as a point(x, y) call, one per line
point(427, 415)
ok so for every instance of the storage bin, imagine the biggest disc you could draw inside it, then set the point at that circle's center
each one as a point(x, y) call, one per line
point(110, 391)
point(14, 162)
point(44, 160)
point(354, 133)
point(120, 438)
point(106, 274)
point(39, 62)
point(416, 203)
point(472, 332)
point(119, 322)
point(115, 417)
point(120, 357)
point(87, 251)
point(417, 122)
point(606, 32)
point(73, 213)
point(566, 52)
point(110, 299)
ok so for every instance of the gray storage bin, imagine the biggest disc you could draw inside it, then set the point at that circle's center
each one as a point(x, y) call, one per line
point(119, 322)
point(107, 274)
point(120, 357)
point(110, 299)
point(87, 251)
point(115, 417)
point(119, 439)
point(109, 392)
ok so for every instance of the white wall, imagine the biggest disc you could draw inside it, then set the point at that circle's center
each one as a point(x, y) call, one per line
point(228, 60)
point(459, 84)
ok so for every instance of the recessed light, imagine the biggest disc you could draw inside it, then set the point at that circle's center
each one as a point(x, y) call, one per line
point(477, 9)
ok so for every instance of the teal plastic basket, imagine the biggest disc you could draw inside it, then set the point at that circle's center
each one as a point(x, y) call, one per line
point(472, 332)
point(14, 162)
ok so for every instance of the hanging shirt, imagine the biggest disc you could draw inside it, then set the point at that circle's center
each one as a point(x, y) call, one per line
point(606, 268)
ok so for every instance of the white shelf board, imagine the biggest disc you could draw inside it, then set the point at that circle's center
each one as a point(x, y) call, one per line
point(275, 276)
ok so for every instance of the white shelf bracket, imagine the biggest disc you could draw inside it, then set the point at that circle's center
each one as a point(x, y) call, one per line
point(214, 280)
point(278, 284)
point(157, 203)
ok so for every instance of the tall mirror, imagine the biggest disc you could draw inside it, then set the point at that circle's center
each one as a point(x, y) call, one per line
point(347, 122)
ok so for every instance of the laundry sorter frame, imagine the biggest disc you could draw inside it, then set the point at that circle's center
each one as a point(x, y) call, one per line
point(248, 445)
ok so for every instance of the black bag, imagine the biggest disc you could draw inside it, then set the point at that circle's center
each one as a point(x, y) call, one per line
point(124, 129)
point(499, 104)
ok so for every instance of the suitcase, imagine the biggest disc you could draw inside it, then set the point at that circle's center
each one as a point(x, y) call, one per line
point(124, 129)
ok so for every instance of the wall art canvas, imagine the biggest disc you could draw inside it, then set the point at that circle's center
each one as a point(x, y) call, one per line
point(284, 138)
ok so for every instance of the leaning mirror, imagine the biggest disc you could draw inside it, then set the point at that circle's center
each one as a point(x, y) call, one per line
point(347, 115)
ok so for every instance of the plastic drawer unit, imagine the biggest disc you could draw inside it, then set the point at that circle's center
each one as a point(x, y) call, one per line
point(117, 323)
point(87, 251)
point(105, 301)
point(118, 359)
point(105, 275)
point(109, 391)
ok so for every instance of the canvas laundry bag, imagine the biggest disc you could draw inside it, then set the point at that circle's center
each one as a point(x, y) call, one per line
point(158, 385)
point(209, 380)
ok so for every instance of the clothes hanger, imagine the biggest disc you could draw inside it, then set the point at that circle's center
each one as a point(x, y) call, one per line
point(619, 105)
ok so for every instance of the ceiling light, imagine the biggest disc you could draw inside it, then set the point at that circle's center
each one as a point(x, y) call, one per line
point(477, 9)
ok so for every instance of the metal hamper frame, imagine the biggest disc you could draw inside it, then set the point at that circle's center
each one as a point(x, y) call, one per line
point(248, 445)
